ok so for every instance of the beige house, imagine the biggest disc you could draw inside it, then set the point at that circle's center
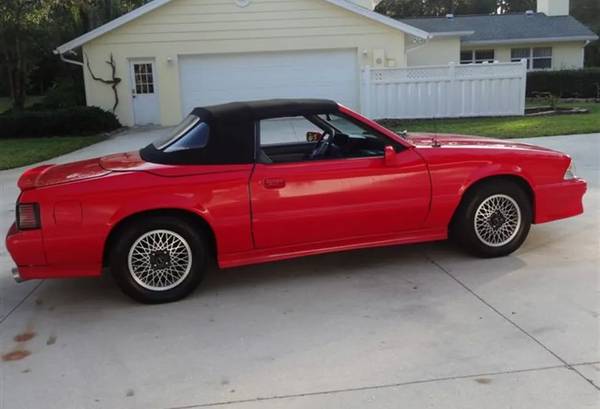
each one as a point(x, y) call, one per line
point(173, 55)
point(549, 39)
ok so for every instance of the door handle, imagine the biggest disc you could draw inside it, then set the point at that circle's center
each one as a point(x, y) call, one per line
point(273, 183)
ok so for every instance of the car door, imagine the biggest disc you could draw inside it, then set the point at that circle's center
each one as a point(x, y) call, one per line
point(300, 201)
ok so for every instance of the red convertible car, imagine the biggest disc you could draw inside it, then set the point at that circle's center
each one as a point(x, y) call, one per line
point(269, 180)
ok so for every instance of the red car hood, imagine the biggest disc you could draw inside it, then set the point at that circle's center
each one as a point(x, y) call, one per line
point(449, 140)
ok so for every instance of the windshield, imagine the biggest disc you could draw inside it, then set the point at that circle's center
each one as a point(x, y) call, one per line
point(346, 126)
point(177, 132)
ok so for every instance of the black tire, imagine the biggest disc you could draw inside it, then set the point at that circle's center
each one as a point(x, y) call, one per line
point(463, 229)
point(185, 232)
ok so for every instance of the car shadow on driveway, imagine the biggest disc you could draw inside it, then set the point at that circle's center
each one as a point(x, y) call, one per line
point(364, 264)
point(340, 265)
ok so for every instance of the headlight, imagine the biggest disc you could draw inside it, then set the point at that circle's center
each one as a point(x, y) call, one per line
point(570, 173)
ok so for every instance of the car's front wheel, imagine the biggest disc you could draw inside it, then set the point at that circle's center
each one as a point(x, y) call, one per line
point(494, 219)
point(158, 260)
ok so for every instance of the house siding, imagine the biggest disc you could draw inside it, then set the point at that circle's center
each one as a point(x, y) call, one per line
point(434, 52)
point(564, 55)
point(188, 27)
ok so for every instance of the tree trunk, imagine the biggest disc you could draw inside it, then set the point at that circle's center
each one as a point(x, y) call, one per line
point(8, 66)
point(19, 77)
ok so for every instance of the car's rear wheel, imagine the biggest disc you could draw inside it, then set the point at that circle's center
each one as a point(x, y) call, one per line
point(493, 220)
point(159, 260)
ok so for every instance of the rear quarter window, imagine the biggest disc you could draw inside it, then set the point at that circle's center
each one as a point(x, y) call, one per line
point(177, 132)
point(196, 138)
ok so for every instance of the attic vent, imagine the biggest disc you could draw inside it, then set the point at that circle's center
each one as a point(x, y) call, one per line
point(529, 12)
point(449, 16)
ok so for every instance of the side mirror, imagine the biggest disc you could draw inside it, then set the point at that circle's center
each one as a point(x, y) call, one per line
point(389, 155)
point(313, 136)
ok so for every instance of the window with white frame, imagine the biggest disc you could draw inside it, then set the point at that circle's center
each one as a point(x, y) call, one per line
point(477, 56)
point(538, 58)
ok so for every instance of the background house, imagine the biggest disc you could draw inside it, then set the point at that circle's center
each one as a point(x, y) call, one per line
point(173, 55)
point(549, 38)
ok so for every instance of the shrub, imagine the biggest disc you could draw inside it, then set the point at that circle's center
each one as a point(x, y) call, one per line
point(565, 84)
point(65, 93)
point(60, 122)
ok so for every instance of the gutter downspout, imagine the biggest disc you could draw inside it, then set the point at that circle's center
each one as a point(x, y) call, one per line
point(68, 61)
point(583, 53)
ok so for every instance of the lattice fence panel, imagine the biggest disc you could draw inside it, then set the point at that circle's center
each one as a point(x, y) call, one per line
point(445, 91)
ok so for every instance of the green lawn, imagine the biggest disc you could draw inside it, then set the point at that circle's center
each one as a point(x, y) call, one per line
point(25, 151)
point(508, 127)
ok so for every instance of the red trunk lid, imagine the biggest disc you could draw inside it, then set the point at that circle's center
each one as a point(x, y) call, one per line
point(48, 175)
point(132, 162)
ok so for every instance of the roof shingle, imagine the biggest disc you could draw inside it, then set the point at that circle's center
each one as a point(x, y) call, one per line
point(506, 27)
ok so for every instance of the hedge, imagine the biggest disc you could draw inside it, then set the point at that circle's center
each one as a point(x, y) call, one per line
point(565, 84)
point(60, 122)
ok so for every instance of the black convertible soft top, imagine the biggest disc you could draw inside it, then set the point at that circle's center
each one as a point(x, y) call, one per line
point(232, 130)
point(264, 109)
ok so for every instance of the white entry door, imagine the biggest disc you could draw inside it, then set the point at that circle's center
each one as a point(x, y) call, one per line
point(215, 79)
point(144, 92)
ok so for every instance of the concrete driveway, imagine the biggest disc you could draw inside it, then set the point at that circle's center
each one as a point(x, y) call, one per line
point(417, 326)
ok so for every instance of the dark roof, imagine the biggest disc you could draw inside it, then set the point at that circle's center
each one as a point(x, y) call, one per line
point(262, 109)
point(507, 27)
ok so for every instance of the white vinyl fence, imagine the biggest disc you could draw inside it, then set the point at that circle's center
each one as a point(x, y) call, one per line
point(448, 91)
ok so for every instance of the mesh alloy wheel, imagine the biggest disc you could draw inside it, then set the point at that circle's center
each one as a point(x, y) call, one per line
point(497, 220)
point(160, 260)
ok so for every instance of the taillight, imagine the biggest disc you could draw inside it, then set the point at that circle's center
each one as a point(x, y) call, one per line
point(28, 216)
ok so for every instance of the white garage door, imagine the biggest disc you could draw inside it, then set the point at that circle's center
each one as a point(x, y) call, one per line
point(215, 79)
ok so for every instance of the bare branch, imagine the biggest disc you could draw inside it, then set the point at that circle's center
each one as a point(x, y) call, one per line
point(113, 82)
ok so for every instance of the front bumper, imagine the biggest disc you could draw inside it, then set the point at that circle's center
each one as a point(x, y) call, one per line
point(559, 200)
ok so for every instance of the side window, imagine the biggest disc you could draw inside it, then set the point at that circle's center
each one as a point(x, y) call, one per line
point(284, 140)
point(355, 140)
point(542, 58)
point(517, 54)
point(286, 130)
point(482, 56)
point(466, 57)
point(318, 137)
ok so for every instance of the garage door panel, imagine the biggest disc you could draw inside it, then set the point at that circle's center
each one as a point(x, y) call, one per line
point(214, 79)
